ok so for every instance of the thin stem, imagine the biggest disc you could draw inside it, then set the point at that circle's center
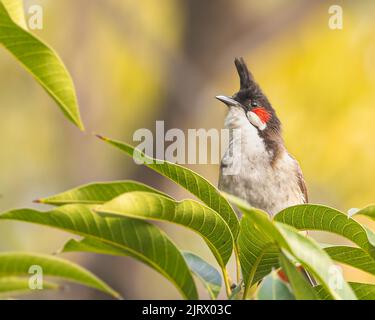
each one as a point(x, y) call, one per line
point(226, 282)
point(244, 297)
point(238, 264)
point(250, 291)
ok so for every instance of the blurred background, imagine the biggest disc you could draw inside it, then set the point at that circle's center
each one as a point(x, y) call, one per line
point(135, 62)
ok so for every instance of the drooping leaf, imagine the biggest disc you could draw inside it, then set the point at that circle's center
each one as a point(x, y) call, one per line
point(363, 291)
point(301, 289)
point(94, 246)
point(369, 211)
point(18, 264)
point(355, 257)
point(189, 213)
point(40, 60)
point(14, 286)
point(273, 288)
point(205, 272)
point(97, 193)
point(305, 250)
point(15, 10)
point(258, 251)
point(188, 179)
point(140, 239)
point(317, 217)
point(311, 256)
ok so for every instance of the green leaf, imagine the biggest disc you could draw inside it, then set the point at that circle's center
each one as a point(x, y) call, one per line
point(259, 253)
point(18, 264)
point(94, 246)
point(188, 179)
point(363, 291)
point(41, 61)
point(189, 213)
point(302, 289)
point(355, 257)
point(273, 288)
point(305, 250)
point(140, 239)
point(311, 256)
point(97, 193)
point(368, 211)
point(258, 250)
point(14, 286)
point(16, 11)
point(208, 277)
point(205, 272)
point(317, 217)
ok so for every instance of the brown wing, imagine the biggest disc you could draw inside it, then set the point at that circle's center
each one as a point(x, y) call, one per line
point(301, 180)
point(301, 183)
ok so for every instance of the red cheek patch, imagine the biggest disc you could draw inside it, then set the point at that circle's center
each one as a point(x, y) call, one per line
point(262, 113)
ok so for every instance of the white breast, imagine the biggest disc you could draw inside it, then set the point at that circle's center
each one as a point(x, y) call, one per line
point(270, 188)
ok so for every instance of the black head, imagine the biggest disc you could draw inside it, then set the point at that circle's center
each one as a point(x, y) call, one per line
point(251, 98)
point(257, 108)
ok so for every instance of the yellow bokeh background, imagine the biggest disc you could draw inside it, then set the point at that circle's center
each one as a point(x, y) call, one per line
point(135, 62)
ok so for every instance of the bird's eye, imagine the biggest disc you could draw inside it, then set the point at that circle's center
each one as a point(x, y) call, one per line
point(254, 103)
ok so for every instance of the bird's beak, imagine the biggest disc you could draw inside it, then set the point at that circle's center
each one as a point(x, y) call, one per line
point(228, 101)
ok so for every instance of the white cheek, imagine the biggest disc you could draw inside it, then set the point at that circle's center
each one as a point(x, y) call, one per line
point(255, 120)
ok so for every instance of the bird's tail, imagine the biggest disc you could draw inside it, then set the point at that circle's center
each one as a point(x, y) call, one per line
point(305, 273)
point(309, 277)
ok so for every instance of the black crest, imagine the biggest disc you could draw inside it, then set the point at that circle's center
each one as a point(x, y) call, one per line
point(248, 87)
point(245, 76)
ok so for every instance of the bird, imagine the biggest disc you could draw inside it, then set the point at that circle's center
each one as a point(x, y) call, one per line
point(257, 167)
point(262, 171)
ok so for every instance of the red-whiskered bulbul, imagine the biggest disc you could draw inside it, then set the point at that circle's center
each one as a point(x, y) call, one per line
point(267, 176)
